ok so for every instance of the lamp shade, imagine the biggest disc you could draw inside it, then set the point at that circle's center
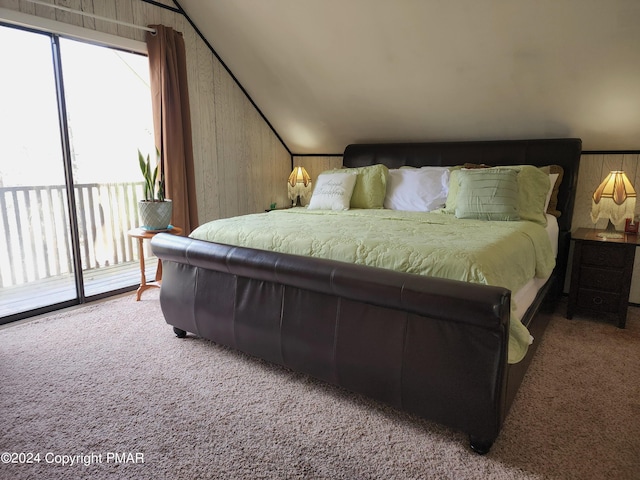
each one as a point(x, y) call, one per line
point(299, 185)
point(299, 175)
point(614, 199)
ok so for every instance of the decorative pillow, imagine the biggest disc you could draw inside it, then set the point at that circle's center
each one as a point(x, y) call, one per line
point(488, 194)
point(454, 186)
point(417, 189)
point(533, 187)
point(552, 208)
point(552, 202)
point(333, 191)
point(454, 182)
point(371, 185)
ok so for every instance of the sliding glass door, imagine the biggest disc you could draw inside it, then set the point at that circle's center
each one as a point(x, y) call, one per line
point(108, 105)
point(33, 198)
point(73, 117)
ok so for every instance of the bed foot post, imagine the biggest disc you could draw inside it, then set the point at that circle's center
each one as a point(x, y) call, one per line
point(179, 332)
point(479, 445)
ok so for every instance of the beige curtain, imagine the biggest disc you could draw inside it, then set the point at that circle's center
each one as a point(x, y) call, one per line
point(172, 122)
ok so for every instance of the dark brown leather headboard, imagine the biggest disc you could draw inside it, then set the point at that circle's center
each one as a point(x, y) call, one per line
point(562, 151)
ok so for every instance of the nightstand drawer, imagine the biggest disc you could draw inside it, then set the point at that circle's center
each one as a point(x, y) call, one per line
point(604, 255)
point(599, 301)
point(604, 279)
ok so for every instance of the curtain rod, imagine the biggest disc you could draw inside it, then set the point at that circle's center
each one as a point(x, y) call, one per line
point(92, 15)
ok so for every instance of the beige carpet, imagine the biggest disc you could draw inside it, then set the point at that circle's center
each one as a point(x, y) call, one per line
point(110, 378)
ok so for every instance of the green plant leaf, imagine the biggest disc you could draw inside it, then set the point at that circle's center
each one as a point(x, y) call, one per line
point(153, 187)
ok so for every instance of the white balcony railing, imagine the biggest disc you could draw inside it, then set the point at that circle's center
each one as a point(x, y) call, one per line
point(36, 229)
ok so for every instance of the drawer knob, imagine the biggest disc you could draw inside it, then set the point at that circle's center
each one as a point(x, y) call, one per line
point(597, 300)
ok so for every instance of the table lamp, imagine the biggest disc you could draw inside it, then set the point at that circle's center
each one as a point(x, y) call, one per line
point(615, 200)
point(299, 185)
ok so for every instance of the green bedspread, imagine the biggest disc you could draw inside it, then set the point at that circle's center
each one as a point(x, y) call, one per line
point(505, 254)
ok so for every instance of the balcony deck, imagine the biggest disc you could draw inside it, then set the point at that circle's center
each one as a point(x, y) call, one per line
point(37, 260)
point(61, 288)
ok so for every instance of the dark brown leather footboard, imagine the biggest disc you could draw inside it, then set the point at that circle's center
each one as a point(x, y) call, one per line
point(434, 347)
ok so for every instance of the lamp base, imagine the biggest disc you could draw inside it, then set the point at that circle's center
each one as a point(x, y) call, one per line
point(610, 232)
point(610, 235)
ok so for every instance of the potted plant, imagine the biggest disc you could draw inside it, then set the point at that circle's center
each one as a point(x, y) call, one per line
point(155, 210)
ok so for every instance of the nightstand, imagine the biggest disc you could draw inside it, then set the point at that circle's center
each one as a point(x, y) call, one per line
point(601, 274)
point(141, 234)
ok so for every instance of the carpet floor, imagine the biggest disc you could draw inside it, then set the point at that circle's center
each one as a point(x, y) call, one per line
point(107, 391)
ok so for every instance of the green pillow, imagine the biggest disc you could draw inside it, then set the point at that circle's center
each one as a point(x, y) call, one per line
point(454, 182)
point(371, 186)
point(488, 194)
point(533, 186)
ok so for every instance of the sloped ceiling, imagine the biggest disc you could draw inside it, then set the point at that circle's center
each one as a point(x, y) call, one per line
point(326, 73)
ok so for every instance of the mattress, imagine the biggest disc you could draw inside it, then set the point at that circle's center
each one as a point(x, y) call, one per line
point(524, 297)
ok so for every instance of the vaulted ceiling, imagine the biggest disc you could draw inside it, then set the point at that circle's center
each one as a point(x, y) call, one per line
point(326, 73)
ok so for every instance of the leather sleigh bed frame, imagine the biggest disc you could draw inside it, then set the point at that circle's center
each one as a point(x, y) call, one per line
point(433, 347)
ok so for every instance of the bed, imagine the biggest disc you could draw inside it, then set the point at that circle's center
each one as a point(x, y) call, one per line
point(440, 348)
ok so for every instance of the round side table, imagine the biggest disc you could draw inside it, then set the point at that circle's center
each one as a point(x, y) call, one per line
point(141, 234)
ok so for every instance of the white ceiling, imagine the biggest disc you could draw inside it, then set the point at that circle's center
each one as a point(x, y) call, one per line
point(327, 73)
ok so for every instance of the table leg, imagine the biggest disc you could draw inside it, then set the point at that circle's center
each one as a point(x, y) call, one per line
point(144, 285)
point(143, 279)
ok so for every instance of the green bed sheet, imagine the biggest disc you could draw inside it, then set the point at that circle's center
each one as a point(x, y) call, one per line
point(505, 254)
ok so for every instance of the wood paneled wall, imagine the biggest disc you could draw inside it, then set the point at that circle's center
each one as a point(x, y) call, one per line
point(241, 165)
point(316, 165)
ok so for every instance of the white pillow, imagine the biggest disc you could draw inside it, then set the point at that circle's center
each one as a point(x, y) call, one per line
point(552, 182)
point(333, 191)
point(417, 189)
